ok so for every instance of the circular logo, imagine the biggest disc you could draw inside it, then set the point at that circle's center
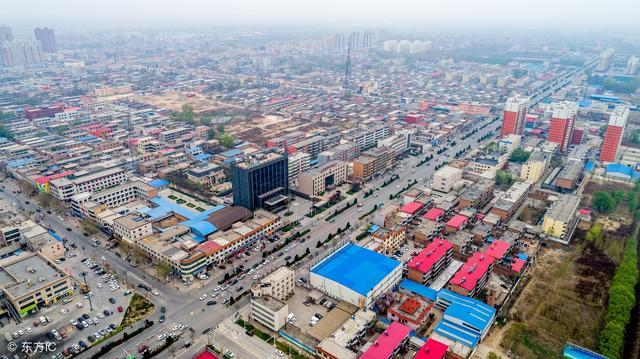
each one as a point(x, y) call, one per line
point(12, 347)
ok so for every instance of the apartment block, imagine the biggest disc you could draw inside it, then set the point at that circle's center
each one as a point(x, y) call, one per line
point(446, 178)
point(436, 256)
point(322, 178)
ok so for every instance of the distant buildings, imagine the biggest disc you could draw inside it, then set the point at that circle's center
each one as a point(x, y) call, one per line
point(614, 134)
point(5, 33)
point(562, 122)
point(338, 41)
point(604, 61)
point(260, 180)
point(633, 65)
point(515, 111)
point(19, 53)
point(47, 38)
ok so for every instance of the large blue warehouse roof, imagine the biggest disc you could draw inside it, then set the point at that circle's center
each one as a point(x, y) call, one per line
point(357, 268)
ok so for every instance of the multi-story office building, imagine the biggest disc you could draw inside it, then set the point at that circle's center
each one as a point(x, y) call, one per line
point(561, 218)
point(515, 111)
point(65, 188)
point(510, 200)
point(312, 145)
point(31, 282)
point(299, 163)
point(34, 113)
point(279, 284)
point(47, 38)
point(173, 134)
point(322, 178)
point(436, 256)
point(399, 143)
point(132, 227)
point(561, 125)
point(446, 178)
point(537, 164)
point(367, 138)
point(373, 162)
point(614, 134)
point(269, 311)
point(260, 180)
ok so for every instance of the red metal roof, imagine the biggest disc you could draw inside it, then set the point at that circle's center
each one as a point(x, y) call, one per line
point(430, 255)
point(432, 349)
point(387, 342)
point(209, 247)
point(497, 249)
point(433, 214)
point(411, 207)
point(205, 355)
point(517, 264)
point(46, 179)
point(475, 268)
point(457, 221)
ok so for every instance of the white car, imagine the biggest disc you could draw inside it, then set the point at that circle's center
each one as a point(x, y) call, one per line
point(155, 292)
point(160, 337)
point(99, 285)
point(100, 315)
point(203, 297)
point(79, 305)
point(279, 353)
point(217, 289)
point(29, 330)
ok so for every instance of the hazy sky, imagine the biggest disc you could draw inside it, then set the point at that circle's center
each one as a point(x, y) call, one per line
point(453, 13)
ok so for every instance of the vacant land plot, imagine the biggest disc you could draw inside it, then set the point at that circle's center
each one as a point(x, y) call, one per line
point(564, 300)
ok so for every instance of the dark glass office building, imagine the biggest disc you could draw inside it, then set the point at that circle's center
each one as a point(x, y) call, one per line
point(261, 181)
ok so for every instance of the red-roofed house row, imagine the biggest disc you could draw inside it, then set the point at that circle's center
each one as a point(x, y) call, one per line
point(430, 261)
point(473, 275)
point(432, 349)
point(411, 207)
point(434, 214)
point(498, 249)
point(389, 342)
point(456, 223)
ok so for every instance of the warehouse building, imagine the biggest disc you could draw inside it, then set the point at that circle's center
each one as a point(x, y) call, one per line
point(356, 275)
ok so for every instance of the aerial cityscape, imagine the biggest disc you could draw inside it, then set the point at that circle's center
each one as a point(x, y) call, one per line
point(289, 180)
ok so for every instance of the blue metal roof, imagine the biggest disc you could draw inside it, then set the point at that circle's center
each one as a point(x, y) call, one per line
point(203, 228)
point(585, 103)
point(465, 319)
point(202, 157)
point(19, 163)
point(193, 150)
point(355, 267)
point(373, 228)
point(589, 166)
point(572, 351)
point(419, 289)
point(523, 256)
point(457, 333)
point(231, 153)
point(620, 169)
point(159, 182)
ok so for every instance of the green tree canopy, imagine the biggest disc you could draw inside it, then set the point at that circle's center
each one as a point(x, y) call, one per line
point(519, 155)
point(603, 202)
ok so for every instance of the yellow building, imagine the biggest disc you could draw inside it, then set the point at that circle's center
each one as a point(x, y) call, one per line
point(535, 167)
point(561, 218)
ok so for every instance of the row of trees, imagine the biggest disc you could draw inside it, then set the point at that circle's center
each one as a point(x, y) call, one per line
point(622, 300)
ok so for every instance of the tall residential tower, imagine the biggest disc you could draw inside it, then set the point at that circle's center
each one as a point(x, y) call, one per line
point(515, 111)
point(562, 121)
point(614, 133)
point(47, 38)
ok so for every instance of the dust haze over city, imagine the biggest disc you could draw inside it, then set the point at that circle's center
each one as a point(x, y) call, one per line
point(319, 179)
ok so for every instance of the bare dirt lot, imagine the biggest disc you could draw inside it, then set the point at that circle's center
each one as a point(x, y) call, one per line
point(564, 300)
